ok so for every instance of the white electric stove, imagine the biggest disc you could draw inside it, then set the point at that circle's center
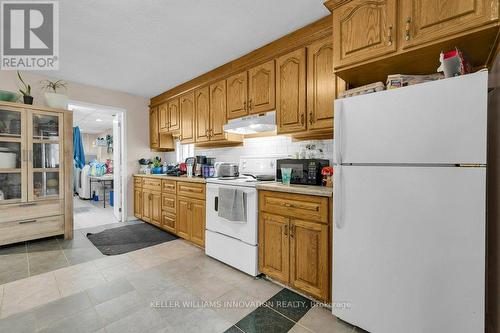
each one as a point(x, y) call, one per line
point(233, 242)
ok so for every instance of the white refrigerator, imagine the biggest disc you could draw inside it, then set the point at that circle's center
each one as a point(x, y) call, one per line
point(410, 208)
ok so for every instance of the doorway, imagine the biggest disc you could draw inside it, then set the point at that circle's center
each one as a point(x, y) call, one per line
point(99, 173)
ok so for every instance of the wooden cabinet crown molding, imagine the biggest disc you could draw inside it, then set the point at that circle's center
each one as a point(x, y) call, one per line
point(294, 40)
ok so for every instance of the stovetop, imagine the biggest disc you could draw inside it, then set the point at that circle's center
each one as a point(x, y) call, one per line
point(244, 180)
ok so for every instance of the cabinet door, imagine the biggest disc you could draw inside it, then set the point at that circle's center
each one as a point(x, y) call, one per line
point(217, 110)
point(45, 158)
point(138, 203)
point(430, 20)
point(202, 114)
point(237, 96)
point(274, 246)
point(186, 108)
point(168, 221)
point(291, 92)
point(309, 264)
point(363, 30)
point(13, 155)
point(261, 88)
point(173, 116)
point(197, 208)
point(163, 116)
point(146, 205)
point(320, 84)
point(153, 128)
point(183, 218)
point(156, 208)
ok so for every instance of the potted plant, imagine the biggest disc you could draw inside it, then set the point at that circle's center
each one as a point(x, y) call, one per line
point(25, 90)
point(156, 169)
point(54, 99)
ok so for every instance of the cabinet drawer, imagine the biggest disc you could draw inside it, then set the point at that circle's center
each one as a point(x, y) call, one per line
point(138, 181)
point(152, 184)
point(26, 229)
point(168, 186)
point(168, 221)
point(30, 210)
point(168, 202)
point(299, 206)
point(192, 190)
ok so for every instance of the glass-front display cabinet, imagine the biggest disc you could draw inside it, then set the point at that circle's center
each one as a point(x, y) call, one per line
point(31, 160)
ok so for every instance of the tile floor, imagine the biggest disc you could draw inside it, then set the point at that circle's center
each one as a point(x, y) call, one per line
point(32, 258)
point(88, 213)
point(171, 287)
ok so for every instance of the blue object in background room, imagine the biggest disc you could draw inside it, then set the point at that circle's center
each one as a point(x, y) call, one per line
point(78, 153)
point(111, 198)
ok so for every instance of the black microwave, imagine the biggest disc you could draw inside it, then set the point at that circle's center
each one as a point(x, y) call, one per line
point(304, 171)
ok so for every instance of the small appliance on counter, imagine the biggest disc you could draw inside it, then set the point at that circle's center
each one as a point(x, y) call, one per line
point(304, 171)
point(198, 168)
point(224, 169)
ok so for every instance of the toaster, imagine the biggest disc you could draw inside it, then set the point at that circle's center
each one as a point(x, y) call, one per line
point(223, 169)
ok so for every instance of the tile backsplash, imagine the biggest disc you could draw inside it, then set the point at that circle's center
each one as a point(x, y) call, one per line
point(266, 146)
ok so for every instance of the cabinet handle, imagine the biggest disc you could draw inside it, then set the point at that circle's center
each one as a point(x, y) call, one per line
point(250, 104)
point(27, 204)
point(311, 120)
point(389, 36)
point(292, 230)
point(211, 133)
point(245, 105)
point(286, 230)
point(180, 137)
point(27, 221)
point(302, 119)
point(407, 28)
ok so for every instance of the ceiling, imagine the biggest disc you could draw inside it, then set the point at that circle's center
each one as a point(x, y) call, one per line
point(144, 47)
point(90, 119)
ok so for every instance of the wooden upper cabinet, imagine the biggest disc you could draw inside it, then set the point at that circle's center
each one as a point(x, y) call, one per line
point(424, 21)
point(237, 96)
point(202, 114)
point(173, 116)
point(291, 92)
point(320, 84)
point(274, 254)
point(309, 260)
point(363, 30)
point(186, 109)
point(261, 88)
point(217, 110)
point(153, 128)
point(164, 119)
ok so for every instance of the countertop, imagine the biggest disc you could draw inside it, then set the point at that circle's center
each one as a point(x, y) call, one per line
point(180, 179)
point(299, 189)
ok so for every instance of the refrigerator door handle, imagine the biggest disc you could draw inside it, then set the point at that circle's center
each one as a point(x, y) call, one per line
point(337, 133)
point(337, 197)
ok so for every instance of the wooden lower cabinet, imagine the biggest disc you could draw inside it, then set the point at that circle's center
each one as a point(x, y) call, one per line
point(274, 246)
point(138, 203)
point(156, 202)
point(309, 257)
point(295, 251)
point(191, 220)
point(183, 215)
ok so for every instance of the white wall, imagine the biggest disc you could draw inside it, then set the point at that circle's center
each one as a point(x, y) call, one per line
point(275, 145)
point(136, 124)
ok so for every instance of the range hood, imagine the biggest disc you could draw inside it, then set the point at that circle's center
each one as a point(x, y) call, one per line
point(252, 124)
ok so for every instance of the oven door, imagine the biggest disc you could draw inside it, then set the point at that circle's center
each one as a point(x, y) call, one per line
point(246, 232)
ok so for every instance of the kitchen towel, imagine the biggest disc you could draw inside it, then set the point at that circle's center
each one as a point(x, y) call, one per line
point(232, 205)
